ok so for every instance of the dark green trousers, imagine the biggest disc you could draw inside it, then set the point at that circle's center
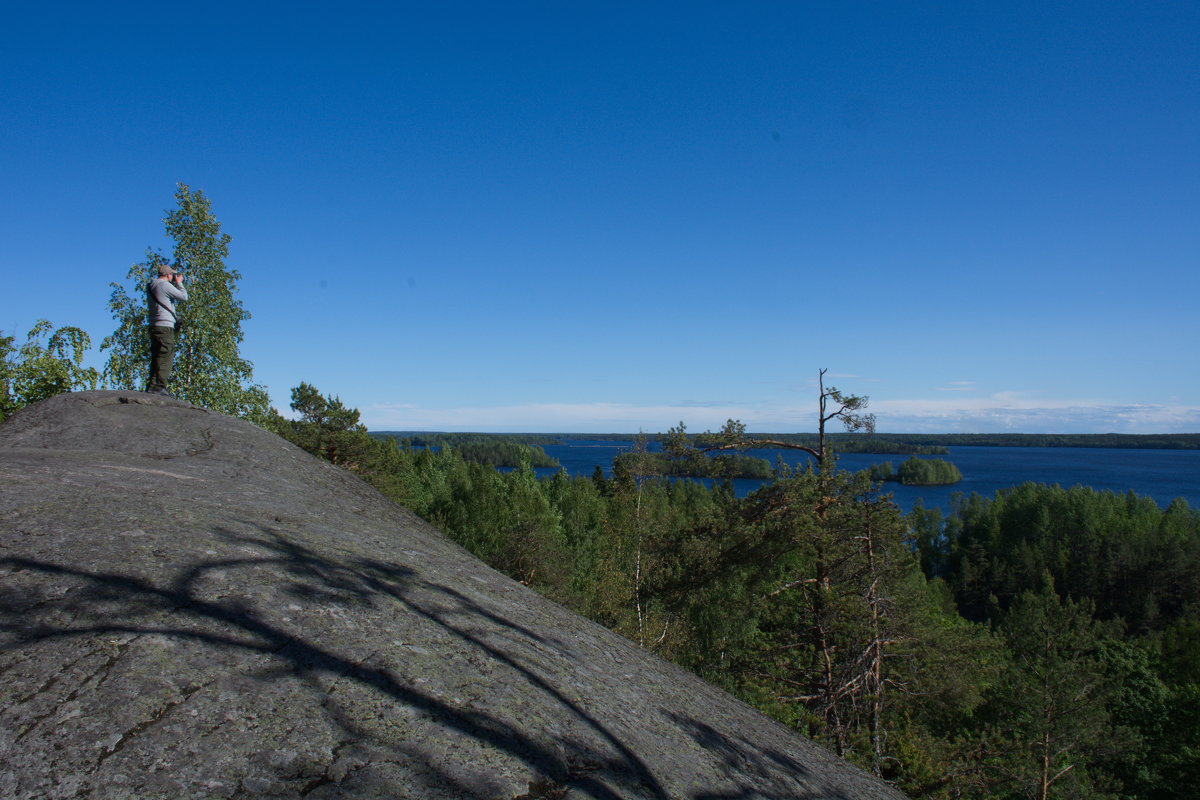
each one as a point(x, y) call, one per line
point(162, 356)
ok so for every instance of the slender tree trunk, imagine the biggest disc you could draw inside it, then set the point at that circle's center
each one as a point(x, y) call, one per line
point(822, 459)
point(637, 569)
point(1044, 788)
point(874, 686)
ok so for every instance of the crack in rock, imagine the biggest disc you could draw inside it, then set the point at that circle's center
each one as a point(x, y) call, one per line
point(125, 737)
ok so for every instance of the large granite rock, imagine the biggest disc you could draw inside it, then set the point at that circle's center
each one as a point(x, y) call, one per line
point(191, 607)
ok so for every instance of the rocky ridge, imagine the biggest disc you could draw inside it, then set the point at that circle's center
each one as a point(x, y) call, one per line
point(192, 607)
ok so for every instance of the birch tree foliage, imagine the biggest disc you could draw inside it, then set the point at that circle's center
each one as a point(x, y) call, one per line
point(50, 362)
point(209, 369)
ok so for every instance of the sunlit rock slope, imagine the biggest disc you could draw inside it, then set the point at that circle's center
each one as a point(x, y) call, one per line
point(190, 607)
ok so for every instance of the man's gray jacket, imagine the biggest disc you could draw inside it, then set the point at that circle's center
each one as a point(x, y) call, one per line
point(161, 296)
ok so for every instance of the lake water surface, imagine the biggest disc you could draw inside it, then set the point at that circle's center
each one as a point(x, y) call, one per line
point(1160, 474)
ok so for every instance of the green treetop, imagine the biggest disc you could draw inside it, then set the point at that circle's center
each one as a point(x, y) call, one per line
point(35, 371)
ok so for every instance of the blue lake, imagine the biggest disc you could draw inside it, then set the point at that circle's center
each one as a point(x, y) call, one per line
point(1160, 474)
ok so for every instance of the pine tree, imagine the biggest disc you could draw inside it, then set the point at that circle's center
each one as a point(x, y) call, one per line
point(1051, 723)
point(327, 428)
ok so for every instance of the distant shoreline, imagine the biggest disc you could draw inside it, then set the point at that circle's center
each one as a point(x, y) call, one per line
point(1117, 441)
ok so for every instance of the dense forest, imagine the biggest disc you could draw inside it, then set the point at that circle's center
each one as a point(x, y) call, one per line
point(724, 465)
point(433, 439)
point(496, 450)
point(1042, 643)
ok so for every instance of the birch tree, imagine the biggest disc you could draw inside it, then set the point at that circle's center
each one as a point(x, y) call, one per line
point(209, 369)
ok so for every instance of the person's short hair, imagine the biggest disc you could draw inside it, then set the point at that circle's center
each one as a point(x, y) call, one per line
point(165, 269)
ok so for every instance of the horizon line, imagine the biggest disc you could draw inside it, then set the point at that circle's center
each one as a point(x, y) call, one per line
point(798, 433)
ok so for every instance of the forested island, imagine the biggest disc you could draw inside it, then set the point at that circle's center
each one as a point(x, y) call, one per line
point(917, 472)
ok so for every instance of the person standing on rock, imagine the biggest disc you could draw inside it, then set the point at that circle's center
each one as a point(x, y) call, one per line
point(161, 294)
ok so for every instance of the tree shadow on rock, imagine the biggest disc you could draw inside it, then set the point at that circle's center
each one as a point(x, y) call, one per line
point(757, 768)
point(195, 603)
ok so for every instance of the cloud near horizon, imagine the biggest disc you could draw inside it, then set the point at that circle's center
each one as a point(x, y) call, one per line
point(1006, 412)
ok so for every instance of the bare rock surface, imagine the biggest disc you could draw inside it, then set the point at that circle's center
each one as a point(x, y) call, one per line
point(191, 607)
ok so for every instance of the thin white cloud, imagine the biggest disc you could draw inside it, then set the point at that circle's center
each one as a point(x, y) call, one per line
point(1025, 412)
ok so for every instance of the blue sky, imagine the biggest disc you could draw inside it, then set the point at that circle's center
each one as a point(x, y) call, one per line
point(583, 216)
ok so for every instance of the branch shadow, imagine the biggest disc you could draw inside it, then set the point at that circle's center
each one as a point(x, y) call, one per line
point(749, 760)
point(112, 603)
